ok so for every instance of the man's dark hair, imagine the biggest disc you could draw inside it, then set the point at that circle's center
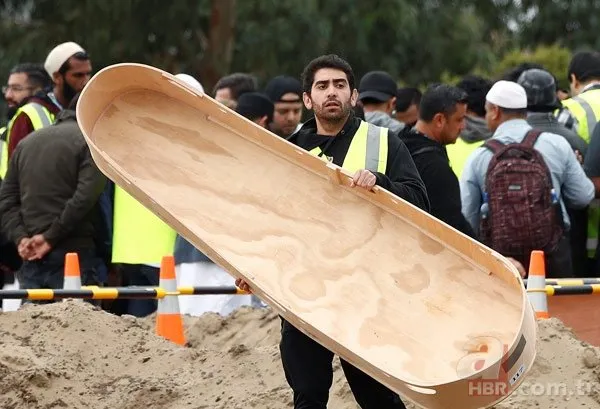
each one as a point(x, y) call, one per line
point(79, 56)
point(514, 73)
point(238, 83)
point(585, 65)
point(36, 74)
point(513, 111)
point(440, 99)
point(476, 88)
point(405, 97)
point(326, 61)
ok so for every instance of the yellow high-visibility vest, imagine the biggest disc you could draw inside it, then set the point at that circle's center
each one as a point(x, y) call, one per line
point(3, 144)
point(39, 116)
point(139, 236)
point(459, 152)
point(585, 107)
point(368, 149)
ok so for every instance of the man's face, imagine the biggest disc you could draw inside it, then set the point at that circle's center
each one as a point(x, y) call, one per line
point(75, 78)
point(410, 116)
point(331, 98)
point(17, 89)
point(78, 74)
point(455, 124)
point(286, 115)
point(223, 95)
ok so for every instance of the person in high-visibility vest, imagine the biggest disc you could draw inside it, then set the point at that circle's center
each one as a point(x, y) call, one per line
point(68, 67)
point(26, 83)
point(476, 130)
point(584, 105)
point(376, 156)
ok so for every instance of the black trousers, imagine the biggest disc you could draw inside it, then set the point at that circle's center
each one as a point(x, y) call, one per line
point(308, 371)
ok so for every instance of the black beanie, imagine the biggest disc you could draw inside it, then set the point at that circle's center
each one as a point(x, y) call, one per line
point(253, 105)
point(281, 85)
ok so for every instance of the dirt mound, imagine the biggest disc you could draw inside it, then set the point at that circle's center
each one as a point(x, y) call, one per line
point(72, 355)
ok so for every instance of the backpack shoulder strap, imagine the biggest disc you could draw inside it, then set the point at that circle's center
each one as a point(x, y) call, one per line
point(424, 149)
point(493, 145)
point(531, 137)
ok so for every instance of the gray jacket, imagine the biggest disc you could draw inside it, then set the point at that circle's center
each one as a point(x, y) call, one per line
point(384, 120)
point(547, 122)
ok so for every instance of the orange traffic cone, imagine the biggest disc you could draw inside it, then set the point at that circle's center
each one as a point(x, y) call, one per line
point(169, 323)
point(72, 280)
point(537, 282)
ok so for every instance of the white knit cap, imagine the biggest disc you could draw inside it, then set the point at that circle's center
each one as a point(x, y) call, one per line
point(59, 55)
point(507, 94)
point(193, 82)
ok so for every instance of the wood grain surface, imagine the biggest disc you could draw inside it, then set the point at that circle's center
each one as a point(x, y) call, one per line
point(368, 275)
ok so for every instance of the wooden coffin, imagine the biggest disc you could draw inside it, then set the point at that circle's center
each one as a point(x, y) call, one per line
point(427, 311)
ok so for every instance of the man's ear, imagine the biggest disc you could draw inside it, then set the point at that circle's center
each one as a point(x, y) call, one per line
point(392, 105)
point(307, 100)
point(262, 121)
point(57, 78)
point(354, 97)
point(439, 120)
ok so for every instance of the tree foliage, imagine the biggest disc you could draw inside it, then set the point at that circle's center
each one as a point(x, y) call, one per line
point(416, 41)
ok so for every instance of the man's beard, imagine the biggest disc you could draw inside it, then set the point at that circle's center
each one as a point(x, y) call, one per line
point(68, 92)
point(333, 117)
point(11, 111)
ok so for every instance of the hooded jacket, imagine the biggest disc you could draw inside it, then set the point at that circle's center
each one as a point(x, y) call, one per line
point(476, 130)
point(384, 120)
point(401, 176)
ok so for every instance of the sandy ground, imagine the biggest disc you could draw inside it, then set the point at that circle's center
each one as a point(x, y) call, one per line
point(70, 355)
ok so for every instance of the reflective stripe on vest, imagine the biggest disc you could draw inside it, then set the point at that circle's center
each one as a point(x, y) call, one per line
point(3, 144)
point(39, 116)
point(368, 149)
point(593, 221)
point(585, 107)
point(139, 236)
point(459, 152)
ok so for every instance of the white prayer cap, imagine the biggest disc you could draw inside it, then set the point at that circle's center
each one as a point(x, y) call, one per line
point(507, 94)
point(193, 82)
point(59, 55)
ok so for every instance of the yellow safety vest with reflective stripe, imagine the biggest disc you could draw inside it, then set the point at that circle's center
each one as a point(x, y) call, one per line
point(585, 107)
point(459, 152)
point(39, 116)
point(368, 149)
point(139, 236)
point(3, 144)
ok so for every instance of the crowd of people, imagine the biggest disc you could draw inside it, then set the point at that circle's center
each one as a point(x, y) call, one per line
point(512, 162)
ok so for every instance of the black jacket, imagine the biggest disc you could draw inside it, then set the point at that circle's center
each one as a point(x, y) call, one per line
point(401, 177)
point(52, 188)
point(441, 182)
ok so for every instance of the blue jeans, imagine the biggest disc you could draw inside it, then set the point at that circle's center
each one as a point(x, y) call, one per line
point(49, 271)
point(144, 276)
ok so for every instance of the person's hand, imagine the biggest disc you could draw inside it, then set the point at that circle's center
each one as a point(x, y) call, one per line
point(242, 285)
point(579, 156)
point(519, 266)
point(39, 247)
point(24, 249)
point(363, 178)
